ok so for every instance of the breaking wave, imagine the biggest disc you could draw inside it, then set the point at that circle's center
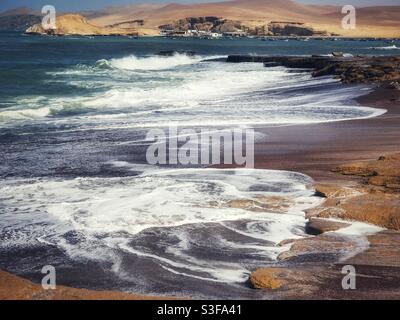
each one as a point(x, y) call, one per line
point(150, 63)
point(393, 47)
point(87, 215)
point(159, 91)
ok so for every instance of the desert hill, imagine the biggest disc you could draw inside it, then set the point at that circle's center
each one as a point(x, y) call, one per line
point(381, 21)
point(145, 19)
point(74, 24)
point(18, 19)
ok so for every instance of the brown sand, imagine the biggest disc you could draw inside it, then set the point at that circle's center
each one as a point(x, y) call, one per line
point(317, 149)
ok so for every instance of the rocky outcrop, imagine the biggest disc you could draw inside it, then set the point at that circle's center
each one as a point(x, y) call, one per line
point(285, 61)
point(296, 282)
point(364, 70)
point(288, 29)
point(74, 24)
point(377, 271)
point(213, 24)
point(223, 25)
point(376, 200)
point(325, 249)
point(268, 278)
point(316, 262)
point(374, 206)
point(384, 172)
point(379, 70)
point(318, 226)
point(16, 288)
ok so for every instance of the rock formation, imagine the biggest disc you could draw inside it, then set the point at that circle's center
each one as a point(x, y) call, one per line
point(363, 69)
point(15, 288)
point(376, 201)
point(221, 25)
point(73, 24)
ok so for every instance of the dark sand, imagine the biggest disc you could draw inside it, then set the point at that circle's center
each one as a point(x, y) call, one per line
point(317, 149)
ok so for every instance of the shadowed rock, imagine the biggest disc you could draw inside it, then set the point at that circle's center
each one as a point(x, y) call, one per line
point(317, 226)
point(360, 69)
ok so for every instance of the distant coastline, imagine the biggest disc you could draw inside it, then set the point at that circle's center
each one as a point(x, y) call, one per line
point(236, 18)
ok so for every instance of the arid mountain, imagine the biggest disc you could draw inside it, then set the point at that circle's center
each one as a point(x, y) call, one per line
point(382, 21)
point(19, 11)
point(372, 22)
point(74, 24)
point(18, 19)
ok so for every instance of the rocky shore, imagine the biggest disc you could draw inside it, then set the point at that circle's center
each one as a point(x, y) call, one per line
point(376, 199)
point(365, 189)
point(383, 71)
point(315, 270)
point(16, 288)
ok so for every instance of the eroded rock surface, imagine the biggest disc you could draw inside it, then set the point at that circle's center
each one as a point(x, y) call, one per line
point(318, 226)
point(16, 288)
point(376, 201)
point(361, 69)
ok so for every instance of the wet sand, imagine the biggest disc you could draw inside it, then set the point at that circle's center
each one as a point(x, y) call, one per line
point(317, 149)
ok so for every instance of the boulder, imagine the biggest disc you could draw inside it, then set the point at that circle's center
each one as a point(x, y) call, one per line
point(326, 248)
point(269, 278)
point(317, 226)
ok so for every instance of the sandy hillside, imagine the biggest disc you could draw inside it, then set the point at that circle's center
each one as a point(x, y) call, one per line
point(372, 22)
point(74, 24)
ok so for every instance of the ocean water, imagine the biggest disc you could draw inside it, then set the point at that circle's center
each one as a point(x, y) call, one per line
point(76, 191)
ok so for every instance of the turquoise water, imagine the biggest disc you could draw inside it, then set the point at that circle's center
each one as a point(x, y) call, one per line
point(49, 78)
point(25, 60)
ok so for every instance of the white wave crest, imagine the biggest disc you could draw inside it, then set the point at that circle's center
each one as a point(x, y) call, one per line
point(24, 114)
point(150, 63)
point(393, 47)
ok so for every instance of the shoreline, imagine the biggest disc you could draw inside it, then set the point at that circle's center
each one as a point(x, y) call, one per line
point(332, 145)
point(312, 149)
point(316, 149)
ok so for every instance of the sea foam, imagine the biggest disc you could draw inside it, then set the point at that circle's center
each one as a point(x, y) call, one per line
point(152, 62)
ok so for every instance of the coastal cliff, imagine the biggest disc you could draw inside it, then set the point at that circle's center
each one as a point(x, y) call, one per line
point(264, 18)
point(74, 24)
point(222, 25)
